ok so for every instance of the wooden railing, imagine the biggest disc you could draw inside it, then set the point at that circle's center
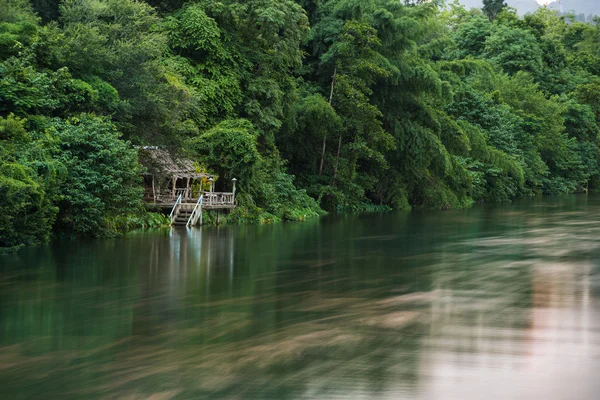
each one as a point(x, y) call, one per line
point(170, 196)
point(176, 207)
point(211, 199)
point(196, 214)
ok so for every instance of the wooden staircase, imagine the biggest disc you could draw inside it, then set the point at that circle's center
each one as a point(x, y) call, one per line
point(183, 214)
point(190, 214)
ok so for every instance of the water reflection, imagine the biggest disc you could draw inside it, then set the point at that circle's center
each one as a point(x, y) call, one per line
point(494, 302)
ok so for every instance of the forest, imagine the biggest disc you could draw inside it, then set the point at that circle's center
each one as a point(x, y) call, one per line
point(313, 105)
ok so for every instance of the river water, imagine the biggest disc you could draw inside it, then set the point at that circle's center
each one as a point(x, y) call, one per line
point(494, 302)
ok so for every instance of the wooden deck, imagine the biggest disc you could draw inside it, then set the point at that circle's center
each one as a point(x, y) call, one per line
point(210, 201)
point(187, 210)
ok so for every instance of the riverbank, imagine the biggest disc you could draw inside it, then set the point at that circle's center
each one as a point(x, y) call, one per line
point(153, 219)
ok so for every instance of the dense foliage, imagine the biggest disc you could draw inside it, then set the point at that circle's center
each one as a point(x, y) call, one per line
point(330, 104)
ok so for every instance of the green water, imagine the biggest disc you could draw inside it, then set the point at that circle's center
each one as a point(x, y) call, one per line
point(494, 302)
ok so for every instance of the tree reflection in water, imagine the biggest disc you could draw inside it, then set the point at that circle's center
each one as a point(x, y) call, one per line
point(493, 302)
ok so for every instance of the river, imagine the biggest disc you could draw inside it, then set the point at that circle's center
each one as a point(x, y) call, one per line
point(494, 302)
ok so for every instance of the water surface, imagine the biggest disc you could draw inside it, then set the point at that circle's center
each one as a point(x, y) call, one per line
point(494, 302)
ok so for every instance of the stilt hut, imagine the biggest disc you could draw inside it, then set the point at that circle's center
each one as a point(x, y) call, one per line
point(167, 177)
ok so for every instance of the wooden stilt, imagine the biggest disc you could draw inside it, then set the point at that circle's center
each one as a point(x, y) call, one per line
point(153, 190)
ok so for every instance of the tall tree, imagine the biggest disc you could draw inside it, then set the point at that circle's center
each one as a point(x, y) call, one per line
point(492, 8)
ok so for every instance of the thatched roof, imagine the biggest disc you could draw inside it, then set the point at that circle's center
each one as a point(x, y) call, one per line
point(161, 162)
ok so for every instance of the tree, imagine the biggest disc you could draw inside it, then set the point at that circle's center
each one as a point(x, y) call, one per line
point(46, 9)
point(103, 179)
point(213, 69)
point(514, 50)
point(470, 36)
point(116, 42)
point(492, 8)
point(26, 209)
point(231, 149)
point(302, 139)
point(18, 27)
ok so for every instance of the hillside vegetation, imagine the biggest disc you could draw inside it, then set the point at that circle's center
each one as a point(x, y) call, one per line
point(334, 105)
